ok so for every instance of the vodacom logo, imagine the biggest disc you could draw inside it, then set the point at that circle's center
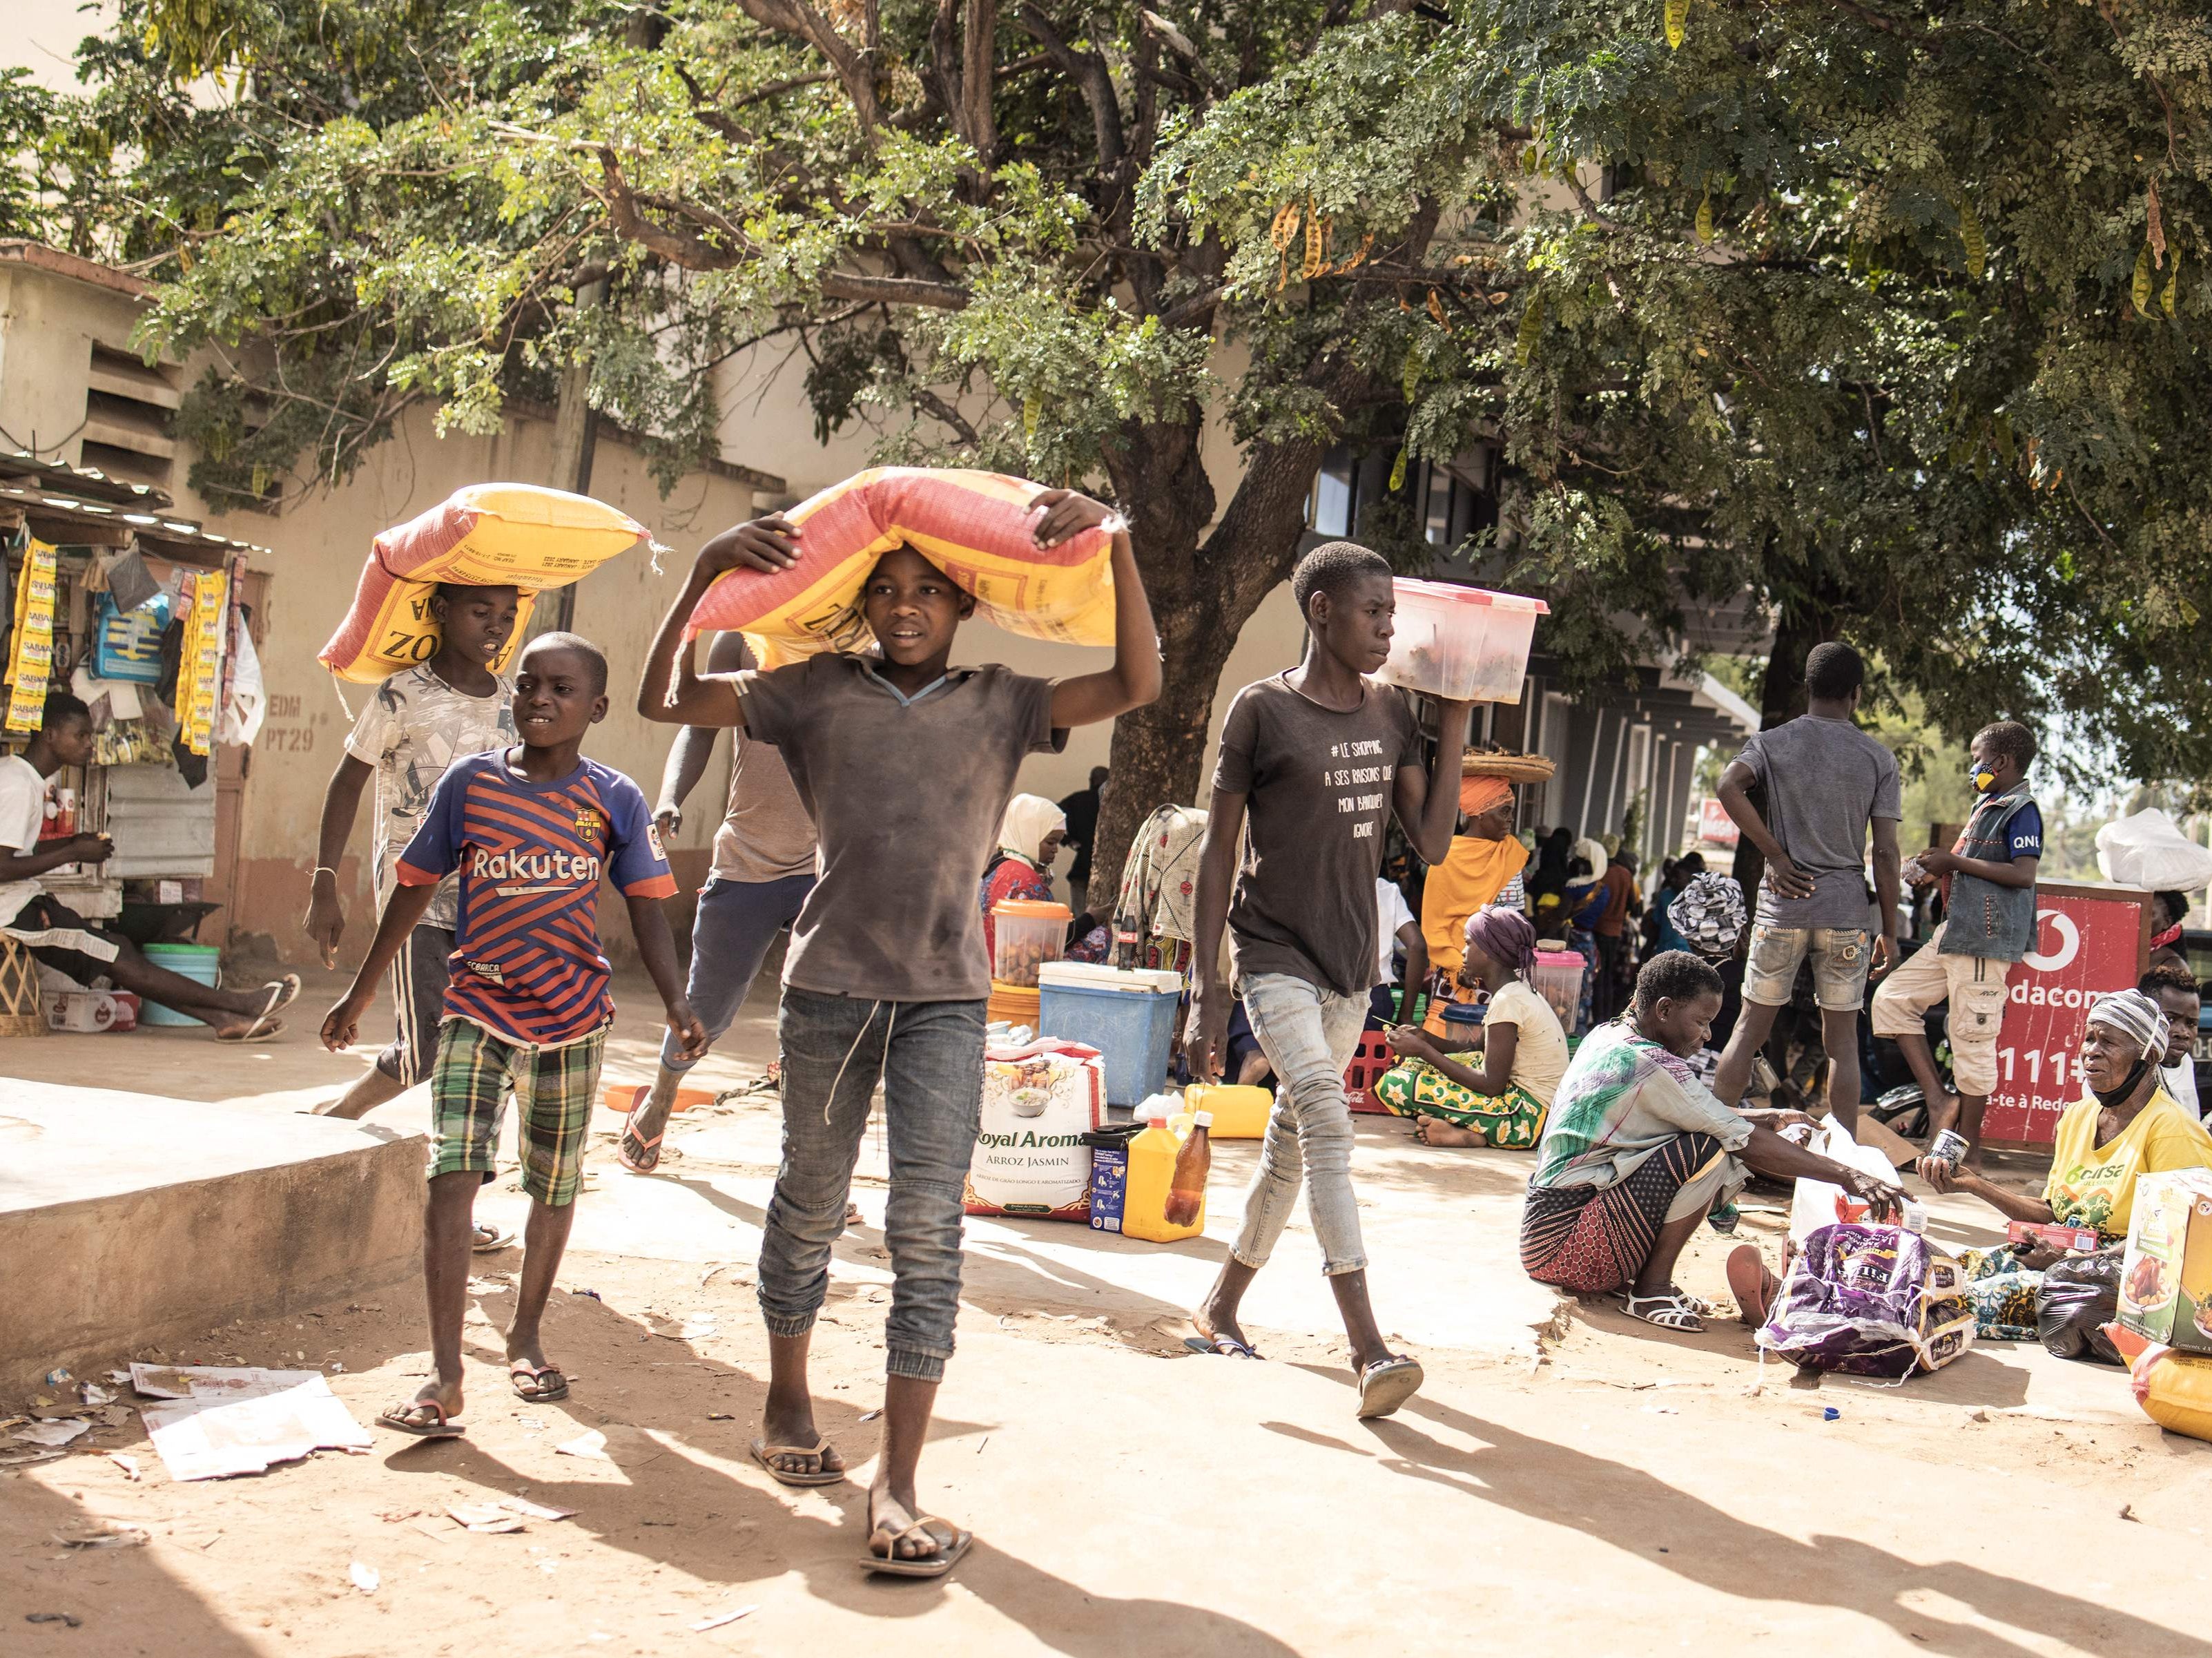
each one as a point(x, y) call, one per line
point(2069, 942)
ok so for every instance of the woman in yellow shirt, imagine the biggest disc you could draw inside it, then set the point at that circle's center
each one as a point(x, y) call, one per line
point(1482, 862)
point(2127, 1126)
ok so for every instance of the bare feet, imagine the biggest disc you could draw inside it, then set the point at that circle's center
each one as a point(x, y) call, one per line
point(1435, 1131)
point(787, 1420)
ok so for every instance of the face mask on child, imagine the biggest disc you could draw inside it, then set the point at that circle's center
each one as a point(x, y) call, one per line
point(1981, 778)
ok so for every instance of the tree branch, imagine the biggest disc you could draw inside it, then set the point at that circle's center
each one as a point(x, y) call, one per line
point(855, 71)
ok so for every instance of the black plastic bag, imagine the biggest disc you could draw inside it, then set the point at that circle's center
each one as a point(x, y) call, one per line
point(2079, 1297)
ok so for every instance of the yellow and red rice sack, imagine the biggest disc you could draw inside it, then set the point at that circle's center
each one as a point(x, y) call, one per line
point(975, 527)
point(521, 535)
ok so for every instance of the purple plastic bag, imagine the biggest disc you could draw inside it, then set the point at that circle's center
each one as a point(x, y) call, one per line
point(1869, 1301)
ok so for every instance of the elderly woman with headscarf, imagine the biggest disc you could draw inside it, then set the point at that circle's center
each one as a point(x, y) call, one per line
point(2125, 1127)
point(1484, 862)
point(1030, 834)
point(1522, 1045)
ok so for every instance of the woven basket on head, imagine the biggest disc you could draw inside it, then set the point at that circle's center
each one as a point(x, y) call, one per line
point(1514, 768)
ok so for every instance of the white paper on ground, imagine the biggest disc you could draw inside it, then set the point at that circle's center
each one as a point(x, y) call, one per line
point(225, 1421)
point(720, 1618)
point(54, 1433)
point(365, 1576)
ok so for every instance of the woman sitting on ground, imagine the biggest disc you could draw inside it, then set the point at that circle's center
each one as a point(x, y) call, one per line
point(1524, 1049)
point(2125, 1127)
point(1021, 870)
point(1637, 1153)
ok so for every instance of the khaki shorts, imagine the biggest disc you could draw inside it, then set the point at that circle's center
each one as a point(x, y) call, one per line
point(1839, 966)
point(1974, 986)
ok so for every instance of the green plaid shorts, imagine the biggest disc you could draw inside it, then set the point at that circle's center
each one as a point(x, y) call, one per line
point(554, 1089)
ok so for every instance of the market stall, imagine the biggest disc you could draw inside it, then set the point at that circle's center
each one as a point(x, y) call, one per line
point(149, 619)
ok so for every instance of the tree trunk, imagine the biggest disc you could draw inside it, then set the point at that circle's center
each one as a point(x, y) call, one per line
point(1201, 597)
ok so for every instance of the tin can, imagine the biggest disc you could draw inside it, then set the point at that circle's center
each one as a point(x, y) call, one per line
point(1950, 1147)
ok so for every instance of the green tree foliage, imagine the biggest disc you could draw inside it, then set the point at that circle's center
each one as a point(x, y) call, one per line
point(1889, 314)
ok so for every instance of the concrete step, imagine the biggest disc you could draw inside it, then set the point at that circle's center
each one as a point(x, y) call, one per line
point(131, 1220)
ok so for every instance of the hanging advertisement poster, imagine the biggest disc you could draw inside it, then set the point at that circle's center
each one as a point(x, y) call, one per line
point(2090, 938)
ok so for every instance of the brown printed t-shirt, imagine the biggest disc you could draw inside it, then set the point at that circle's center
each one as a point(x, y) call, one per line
point(906, 796)
point(1319, 786)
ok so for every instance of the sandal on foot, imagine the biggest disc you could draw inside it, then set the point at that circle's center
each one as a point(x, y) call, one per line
point(763, 1451)
point(282, 994)
point(1214, 1342)
point(952, 1543)
point(1387, 1384)
point(530, 1383)
point(402, 1418)
point(646, 1158)
point(1669, 1312)
point(484, 1240)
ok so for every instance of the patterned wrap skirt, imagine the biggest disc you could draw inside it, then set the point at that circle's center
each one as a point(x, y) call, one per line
point(1591, 1238)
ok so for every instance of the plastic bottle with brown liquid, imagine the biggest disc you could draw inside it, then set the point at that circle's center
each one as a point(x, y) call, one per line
point(1186, 1191)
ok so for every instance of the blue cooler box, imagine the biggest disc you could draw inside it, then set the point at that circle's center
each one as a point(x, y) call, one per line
point(1127, 1013)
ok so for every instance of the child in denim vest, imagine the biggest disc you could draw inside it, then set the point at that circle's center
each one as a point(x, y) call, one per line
point(1988, 922)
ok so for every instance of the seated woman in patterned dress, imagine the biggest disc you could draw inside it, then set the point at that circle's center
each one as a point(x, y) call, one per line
point(1523, 1049)
point(1638, 1152)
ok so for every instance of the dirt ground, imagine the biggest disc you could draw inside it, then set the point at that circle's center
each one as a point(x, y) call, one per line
point(1566, 1478)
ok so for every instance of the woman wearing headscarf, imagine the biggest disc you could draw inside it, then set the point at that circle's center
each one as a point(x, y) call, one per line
point(1030, 834)
point(2126, 1125)
point(1484, 859)
point(1522, 1045)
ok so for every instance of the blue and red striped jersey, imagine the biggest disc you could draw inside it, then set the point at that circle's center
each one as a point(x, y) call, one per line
point(526, 963)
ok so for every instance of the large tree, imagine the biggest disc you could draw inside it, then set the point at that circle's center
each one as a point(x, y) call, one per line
point(1888, 315)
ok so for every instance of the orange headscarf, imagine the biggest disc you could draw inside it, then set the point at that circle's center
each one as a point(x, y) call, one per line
point(1478, 793)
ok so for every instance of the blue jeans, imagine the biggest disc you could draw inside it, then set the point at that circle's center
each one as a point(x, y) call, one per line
point(737, 921)
point(930, 1055)
point(1309, 1035)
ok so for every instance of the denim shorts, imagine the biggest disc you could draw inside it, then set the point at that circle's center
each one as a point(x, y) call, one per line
point(1840, 955)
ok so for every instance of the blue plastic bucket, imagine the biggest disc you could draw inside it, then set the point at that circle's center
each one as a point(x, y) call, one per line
point(201, 963)
point(1127, 1014)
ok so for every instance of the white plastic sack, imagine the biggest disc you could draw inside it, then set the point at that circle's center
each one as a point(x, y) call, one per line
point(1039, 1101)
point(1817, 1204)
point(2149, 850)
point(249, 696)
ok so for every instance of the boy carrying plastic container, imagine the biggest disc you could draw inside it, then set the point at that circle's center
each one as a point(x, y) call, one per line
point(532, 830)
point(1320, 758)
point(905, 765)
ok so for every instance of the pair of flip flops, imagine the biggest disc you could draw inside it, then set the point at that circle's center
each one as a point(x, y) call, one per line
point(951, 1542)
point(282, 993)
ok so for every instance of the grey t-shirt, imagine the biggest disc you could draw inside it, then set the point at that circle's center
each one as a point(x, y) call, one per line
point(766, 834)
point(906, 796)
point(1319, 786)
point(1825, 779)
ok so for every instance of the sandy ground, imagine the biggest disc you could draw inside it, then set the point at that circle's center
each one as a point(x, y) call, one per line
point(1567, 1477)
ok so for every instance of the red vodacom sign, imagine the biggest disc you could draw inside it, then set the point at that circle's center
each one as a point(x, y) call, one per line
point(2088, 940)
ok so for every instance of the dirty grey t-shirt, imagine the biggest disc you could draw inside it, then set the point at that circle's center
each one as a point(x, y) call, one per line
point(1825, 779)
point(906, 796)
point(1318, 786)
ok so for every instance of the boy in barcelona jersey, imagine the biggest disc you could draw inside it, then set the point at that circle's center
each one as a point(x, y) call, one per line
point(533, 831)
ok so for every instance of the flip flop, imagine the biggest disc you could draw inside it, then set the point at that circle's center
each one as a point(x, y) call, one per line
point(1387, 1384)
point(952, 1544)
point(648, 1151)
point(539, 1391)
point(282, 994)
point(398, 1419)
point(487, 1239)
point(1220, 1346)
point(1750, 1284)
point(763, 1451)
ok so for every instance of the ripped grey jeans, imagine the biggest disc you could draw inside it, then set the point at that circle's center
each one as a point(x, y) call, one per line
point(1308, 1035)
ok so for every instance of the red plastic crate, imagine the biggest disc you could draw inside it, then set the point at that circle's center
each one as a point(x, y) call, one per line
point(1369, 1061)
